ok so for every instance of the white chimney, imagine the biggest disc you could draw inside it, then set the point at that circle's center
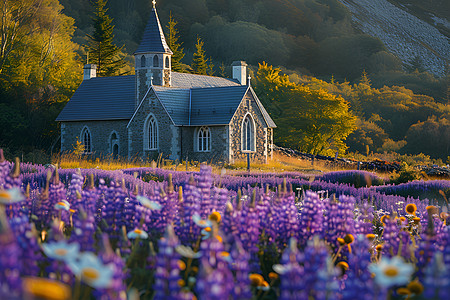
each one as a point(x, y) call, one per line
point(90, 71)
point(240, 71)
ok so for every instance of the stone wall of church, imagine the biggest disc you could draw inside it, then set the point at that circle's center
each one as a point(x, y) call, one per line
point(101, 133)
point(219, 141)
point(168, 134)
point(249, 105)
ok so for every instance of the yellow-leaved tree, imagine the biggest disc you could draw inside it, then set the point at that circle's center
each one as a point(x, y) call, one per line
point(312, 121)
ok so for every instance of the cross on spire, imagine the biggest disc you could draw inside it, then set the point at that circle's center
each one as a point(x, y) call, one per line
point(154, 3)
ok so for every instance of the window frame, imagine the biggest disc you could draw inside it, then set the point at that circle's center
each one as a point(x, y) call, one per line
point(248, 143)
point(203, 137)
point(87, 145)
point(151, 140)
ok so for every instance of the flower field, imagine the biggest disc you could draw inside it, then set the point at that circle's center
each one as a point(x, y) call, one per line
point(156, 234)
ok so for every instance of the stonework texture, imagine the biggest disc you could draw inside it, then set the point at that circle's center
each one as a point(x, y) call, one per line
point(219, 144)
point(101, 136)
point(136, 130)
point(261, 133)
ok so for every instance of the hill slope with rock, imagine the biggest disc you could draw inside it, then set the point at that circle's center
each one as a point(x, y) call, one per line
point(413, 40)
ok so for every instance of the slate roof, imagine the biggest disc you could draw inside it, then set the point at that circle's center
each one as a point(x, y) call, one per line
point(153, 39)
point(207, 106)
point(101, 98)
point(188, 81)
point(213, 100)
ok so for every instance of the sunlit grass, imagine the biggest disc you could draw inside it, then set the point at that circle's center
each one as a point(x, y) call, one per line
point(279, 163)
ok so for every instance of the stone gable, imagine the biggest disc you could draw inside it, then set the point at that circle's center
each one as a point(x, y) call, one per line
point(167, 131)
point(261, 153)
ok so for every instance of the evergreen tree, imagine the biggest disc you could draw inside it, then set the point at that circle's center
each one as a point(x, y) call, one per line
point(210, 70)
point(102, 52)
point(175, 46)
point(199, 63)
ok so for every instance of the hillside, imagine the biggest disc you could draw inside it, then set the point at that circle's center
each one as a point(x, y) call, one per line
point(413, 40)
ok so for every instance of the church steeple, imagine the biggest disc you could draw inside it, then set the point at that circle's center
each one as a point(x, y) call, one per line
point(152, 57)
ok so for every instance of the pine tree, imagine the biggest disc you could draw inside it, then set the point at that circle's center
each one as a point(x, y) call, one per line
point(199, 63)
point(175, 46)
point(102, 52)
point(210, 69)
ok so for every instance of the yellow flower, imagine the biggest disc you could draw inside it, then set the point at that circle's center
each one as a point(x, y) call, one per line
point(415, 287)
point(256, 279)
point(411, 208)
point(348, 239)
point(215, 216)
point(43, 288)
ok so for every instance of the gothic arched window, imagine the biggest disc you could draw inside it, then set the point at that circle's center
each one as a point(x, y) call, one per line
point(204, 139)
point(167, 62)
point(151, 133)
point(248, 134)
point(155, 61)
point(86, 140)
point(143, 61)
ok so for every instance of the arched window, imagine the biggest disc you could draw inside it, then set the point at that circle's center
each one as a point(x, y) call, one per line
point(86, 140)
point(248, 134)
point(167, 62)
point(143, 61)
point(151, 133)
point(114, 144)
point(155, 61)
point(204, 139)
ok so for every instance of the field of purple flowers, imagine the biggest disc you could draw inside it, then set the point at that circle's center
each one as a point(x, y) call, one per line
point(157, 234)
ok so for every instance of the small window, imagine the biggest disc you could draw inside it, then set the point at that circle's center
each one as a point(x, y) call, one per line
point(143, 62)
point(167, 62)
point(86, 140)
point(248, 134)
point(151, 134)
point(204, 139)
point(114, 142)
point(155, 61)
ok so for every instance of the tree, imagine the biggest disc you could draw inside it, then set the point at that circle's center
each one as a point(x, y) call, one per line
point(312, 121)
point(15, 20)
point(199, 62)
point(175, 46)
point(39, 71)
point(102, 52)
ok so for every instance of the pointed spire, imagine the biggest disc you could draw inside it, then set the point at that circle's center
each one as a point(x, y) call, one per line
point(153, 40)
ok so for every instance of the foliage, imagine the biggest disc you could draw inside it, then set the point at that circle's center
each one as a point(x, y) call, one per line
point(78, 148)
point(320, 122)
point(101, 50)
point(199, 62)
point(175, 45)
point(39, 71)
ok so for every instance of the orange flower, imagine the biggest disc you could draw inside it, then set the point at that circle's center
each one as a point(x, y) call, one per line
point(411, 208)
point(256, 279)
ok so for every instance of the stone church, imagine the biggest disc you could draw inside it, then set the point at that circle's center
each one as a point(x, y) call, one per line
point(157, 111)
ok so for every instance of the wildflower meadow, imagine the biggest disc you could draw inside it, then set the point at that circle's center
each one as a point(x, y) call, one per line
point(149, 233)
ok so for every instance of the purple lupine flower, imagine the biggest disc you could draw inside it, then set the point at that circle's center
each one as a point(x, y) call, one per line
point(167, 273)
point(84, 231)
point(436, 278)
point(4, 168)
point(319, 277)
point(359, 283)
point(241, 269)
point(10, 281)
point(187, 231)
point(204, 182)
point(311, 217)
point(30, 253)
point(117, 288)
point(391, 237)
point(291, 273)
